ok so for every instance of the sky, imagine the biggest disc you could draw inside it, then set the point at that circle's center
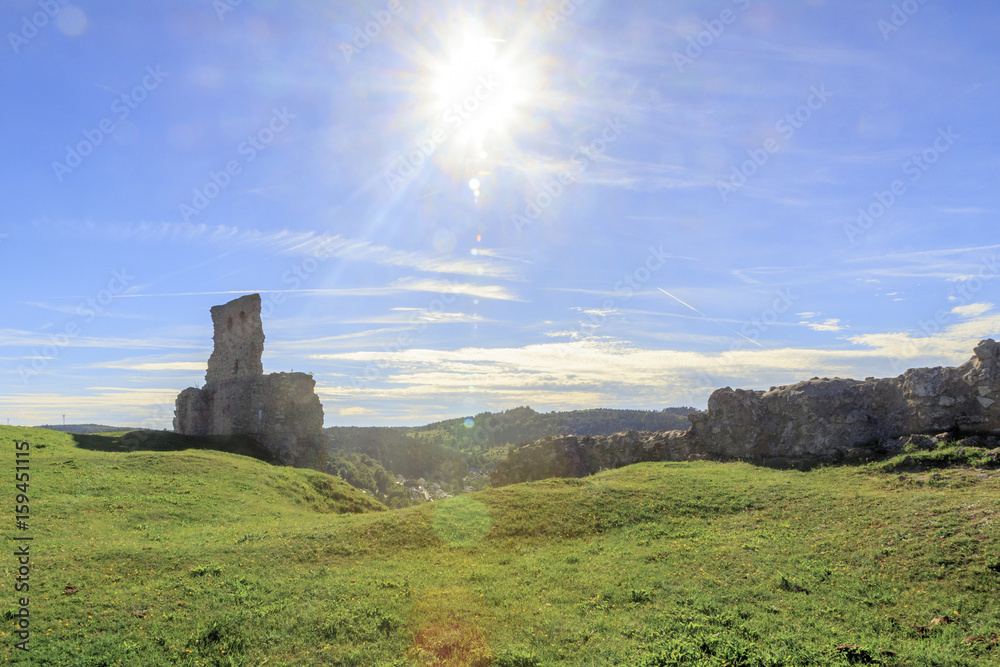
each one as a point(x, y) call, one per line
point(452, 207)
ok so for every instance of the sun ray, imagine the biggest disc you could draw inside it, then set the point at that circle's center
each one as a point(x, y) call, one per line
point(476, 92)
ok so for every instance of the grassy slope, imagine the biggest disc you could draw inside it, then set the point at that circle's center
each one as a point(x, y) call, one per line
point(202, 558)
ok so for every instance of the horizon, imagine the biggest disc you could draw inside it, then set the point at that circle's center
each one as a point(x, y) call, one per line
point(458, 208)
point(369, 425)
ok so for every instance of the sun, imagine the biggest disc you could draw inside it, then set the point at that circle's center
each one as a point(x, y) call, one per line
point(477, 93)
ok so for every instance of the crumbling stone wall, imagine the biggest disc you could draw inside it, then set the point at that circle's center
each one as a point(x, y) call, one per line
point(815, 420)
point(280, 410)
point(239, 340)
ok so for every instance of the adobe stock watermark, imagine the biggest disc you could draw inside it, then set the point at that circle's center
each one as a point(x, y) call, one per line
point(404, 339)
point(122, 108)
point(707, 37)
point(786, 126)
point(552, 189)
point(297, 275)
point(750, 334)
point(562, 13)
point(31, 26)
point(962, 295)
point(624, 290)
point(407, 166)
point(248, 149)
point(223, 7)
point(915, 167)
point(362, 37)
point(899, 17)
point(89, 310)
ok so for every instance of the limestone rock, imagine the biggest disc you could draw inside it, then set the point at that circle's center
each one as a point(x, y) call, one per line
point(281, 410)
point(815, 420)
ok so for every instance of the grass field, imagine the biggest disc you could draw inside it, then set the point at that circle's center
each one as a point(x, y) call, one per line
point(206, 558)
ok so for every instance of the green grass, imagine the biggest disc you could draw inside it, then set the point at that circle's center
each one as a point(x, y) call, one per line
point(206, 558)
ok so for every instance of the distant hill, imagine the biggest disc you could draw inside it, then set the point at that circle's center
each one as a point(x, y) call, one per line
point(446, 450)
point(89, 428)
point(522, 424)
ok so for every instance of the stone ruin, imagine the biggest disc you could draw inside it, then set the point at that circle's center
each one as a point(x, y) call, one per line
point(808, 422)
point(281, 411)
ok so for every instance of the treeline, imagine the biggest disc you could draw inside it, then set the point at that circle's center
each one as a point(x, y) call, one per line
point(445, 451)
point(89, 428)
point(365, 473)
point(488, 430)
point(398, 452)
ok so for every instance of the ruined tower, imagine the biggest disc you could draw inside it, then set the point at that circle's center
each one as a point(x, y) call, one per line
point(239, 340)
point(280, 410)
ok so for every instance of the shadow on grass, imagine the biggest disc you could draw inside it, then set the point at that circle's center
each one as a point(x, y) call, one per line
point(167, 441)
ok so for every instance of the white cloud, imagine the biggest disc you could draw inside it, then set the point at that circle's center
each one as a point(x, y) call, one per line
point(325, 246)
point(972, 309)
point(80, 310)
point(827, 325)
point(145, 407)
point(425, 315)
point(322, 246)
point(355, 411)
point(447, 287)
point(563, 334)
point(153, 366)
point(18, 338)
point(951, 344)
point(597, 312)
point(609, 372)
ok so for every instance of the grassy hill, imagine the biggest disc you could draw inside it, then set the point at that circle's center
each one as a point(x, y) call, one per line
point(207, 558)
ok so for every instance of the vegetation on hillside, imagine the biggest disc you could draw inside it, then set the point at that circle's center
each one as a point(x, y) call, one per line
point(365, 473)
point(202, 558)
point(445, 451)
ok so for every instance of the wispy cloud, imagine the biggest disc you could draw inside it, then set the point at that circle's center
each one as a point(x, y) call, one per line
point(951, 264)
point(314, 243)
point(951, 343)
point(612, 372)
point(607, 170)
point(830, 324)
point(18, 338)
point(597, 312)
point(153, 366)
point(425, 315)
point(348, 340)
point(972, 310)
point(78, 311)
point(484, 264)
point(438, 286)
point(146, 407)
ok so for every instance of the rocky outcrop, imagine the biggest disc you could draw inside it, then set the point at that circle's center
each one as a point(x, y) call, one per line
point(281, 410)
point(815, 420)
point(578, 456)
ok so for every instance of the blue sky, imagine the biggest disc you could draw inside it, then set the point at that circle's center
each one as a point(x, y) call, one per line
point(451, 207)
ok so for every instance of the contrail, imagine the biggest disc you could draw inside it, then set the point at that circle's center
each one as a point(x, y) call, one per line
point(710, 318)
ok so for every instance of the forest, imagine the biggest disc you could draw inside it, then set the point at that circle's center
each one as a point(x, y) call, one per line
point(370, 457)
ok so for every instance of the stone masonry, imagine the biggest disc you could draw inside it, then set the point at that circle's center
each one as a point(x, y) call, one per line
point(280, 410)
point(811, 421)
